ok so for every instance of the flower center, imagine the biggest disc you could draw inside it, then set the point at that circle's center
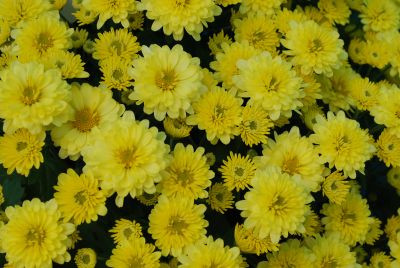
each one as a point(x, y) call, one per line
point(328, 262)
point(85, 120)
point(127, 157)
point(136, 262)
point(181, 3)
point(291, 165)
point(117, 74)
point(271, 84)
point(117, 46)
point(35, 236)
point(30, 95)
point(127, 232)
point(315, 46)
point(21, 145)
point(44, 41)
point(81, 197)
point(86, 258)
point(253, 125)
point(177, 225)
point(166, 80)
point(184, 177)
point(239, 171)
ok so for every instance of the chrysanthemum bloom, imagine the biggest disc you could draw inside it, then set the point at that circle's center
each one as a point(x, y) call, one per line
point(314, 48)
point(393, 177)
point(260, 7)
point(74, 238)
point(218, 112)
point(309, 114)
point(85, 258)
point(79, 198)
point(271, 83)
point(255, 125)
point(129, 158)
point(294, 155)
point(125, 230)
point(35, 236)
point(237, 171)
point(335, 11)
point(148, 200)
point(388, 147)
point(215, 42)
point(275, 206)
point(94, 110)
point(176, 223)
point(380, 259)
point(377, 52)
point(85, 16)
point(249, 243)
point(167, 81)
point(31, 97)
point(380, 16)
point(115, 73)
point(335, 187)
point(187, 174)
point(135, 253)
point(136, 21)
point(220, 198)
point(350, 219)
point(21, 151)
point(118, 10)
point(211, 253)
point(285, 16)
point(176, 127)
point(39, 37)
point(387, 111)
point(330, 251)
point(69, 64)
point(312, 88)
point(394, 246)
point(374, 231)
point(291, 254)
point(342, 143)
point(312, 224)
point(7, 56)
point(363, 92)
point(175, 16)
point(120, 42)
point(17, 12)
point(225, 61)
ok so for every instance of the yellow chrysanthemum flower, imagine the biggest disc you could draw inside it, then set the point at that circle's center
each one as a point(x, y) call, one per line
point(218, 112)
point(148, 199)
point(188, 173)
point(120, 42)
point(294, 155)
point(374, 231)
point(115, 73)
point(284, 17)
point(215, 42)
point(176, 127)
point(388, 147)
point(271, 83)
point(79, 198)
point(394, 246)
point(342, 143)
point(17, 12)
point(85, 258)
point(310, 113)
point(249, 243)
point(136, 20)
point(312, 224)
point(177, 16)
point(336, 11)
point(176, 223)
point(32, 97)
point(335, 187)
point(74, 238)
point(363, 92)
point(211, 253)
point(167, 81)
point(377, 52)
point(380, 260)
point(314, 48)
point(220, 198)
point(319, 16)
point(312, 88)
point(129, 158)
point(237, 171)
point(225, 64)
point(393, 177)
point(94, 110)
point(260, 7)
point(21, 151)
point(7, 56)
point(275, 206)
point(255, 125)
point(135, 253)
point(380, 16)
point(69, 64)
point(40, 37)
point(85, 16)
point(117, 10)
point(35, 236)
point(125, 230)
point(387, 111)
point(350, 219)
point(329, 250)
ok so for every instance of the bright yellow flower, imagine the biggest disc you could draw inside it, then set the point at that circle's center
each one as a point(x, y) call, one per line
point(215, 42)
point(85, 16)
point(284, 17)
point(388, 146)
point(125, 230)
point(336, 11)
point(17, 12)
point(177, 127)
point(148, 199)
point(237, 171)
point(335, 187)
point(387, 111)
point(363, 92)
point(136, 20)
point(115, 73)
point(220, 198)
point(69, 64)
point(374, 231)
point(380, 260)
point(393, 177)
point(85, 258)
point(380, 16)
point(260, 7)
point(248, 242)
point(255, 125)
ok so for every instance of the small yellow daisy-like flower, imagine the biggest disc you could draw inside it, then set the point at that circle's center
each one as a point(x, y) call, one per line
point(167, 81)
point(117, 10)
point(79, 37)
point(19, 11)
point(374, 231)
point(387, 111)
point(85, 16)
point(294, 155)
point(314, 48)
point(255, 125)
point(128, 158)
point(282, 201)
point(177, 16)
point(350, 219)
point(388, 147)
point(210, 158)
point(336, 11)
point(176, 127)
point(74, 237)
point(94, 110)
point(357, 51)
point(342, 143)
point(363, 92)
point(69, 64)
point(125, 230)
point(336, 188)
point(39, 37)
point(271, 83)
point(35, 235)
point(284, 16)
point(220, 198)
point(21, 151)
point(85, 258)
point(120, 42)
point(79, 198)
point(309, 114)
point(176, 223)
point(259, 31)
point(393, 177)
point(249, 243)
point(215, 42)
point(208, 79)
point(380, 260)
point(211, 253)
point(377, 52)
point(135, 253)
point(392, 227)
point(115, 73)
point(237, 171)
point(7, 56)
point(136, 20)
point(218, 112)
point(260, 7)
point(312, 224)
point(188, 173)
point(225, 61)
point(148, 199)
point(380, 16)
point(394, 246)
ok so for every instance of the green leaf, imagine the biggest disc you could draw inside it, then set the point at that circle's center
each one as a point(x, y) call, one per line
point(12, 187)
